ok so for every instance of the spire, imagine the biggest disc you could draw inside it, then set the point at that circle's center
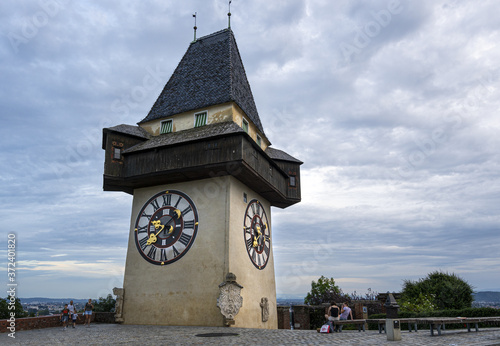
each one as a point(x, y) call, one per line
point(229, 16)
point(194, 15)
point(210, 73)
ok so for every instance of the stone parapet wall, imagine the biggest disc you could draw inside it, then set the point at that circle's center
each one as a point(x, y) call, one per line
point(303, 313)
point(301, 317)
point(52, 321)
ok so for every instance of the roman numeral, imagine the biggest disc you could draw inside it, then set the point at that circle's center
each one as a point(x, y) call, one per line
point(258, 208)
point(163, 255)
point(266, 249)
point(142, 243)
point(152, 252)
point(177, 203)
point(249, 243)
point(253, 208)
point(176, 253)
point(254, 255)
point(146, 215)
point(142, 229)
point(185, 239)
point(189, 224)
point(155, 205)
point(187, 210)
point(167, 200)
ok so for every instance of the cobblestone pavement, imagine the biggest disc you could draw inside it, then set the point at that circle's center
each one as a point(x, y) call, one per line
point(115, 334)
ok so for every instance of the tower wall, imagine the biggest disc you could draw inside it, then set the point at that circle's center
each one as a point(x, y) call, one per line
point(185, 292)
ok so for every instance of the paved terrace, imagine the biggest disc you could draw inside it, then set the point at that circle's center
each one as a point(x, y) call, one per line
point(115, 334)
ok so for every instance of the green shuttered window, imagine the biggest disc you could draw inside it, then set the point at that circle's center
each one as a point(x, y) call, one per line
point(166, 126)
point(200, 119)
point(244, 126)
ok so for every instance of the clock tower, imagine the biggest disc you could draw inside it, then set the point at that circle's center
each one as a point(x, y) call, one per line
point(203, 176)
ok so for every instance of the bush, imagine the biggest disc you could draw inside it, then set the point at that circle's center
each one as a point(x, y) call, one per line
point(104, 304)
point(445, 291)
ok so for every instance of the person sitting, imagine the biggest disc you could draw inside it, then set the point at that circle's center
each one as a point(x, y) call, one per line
point(332, 314)
point(345, 313)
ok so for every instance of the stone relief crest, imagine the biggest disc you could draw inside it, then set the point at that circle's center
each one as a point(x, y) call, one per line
point(264, 305)
point(230, 299)
point(118, 292)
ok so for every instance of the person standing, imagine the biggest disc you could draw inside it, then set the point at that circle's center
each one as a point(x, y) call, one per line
point(72, 312)
point(88, 312)
point(345, 313)
point(64, 316)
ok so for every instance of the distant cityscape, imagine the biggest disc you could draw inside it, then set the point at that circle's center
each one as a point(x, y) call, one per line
point(50, 306)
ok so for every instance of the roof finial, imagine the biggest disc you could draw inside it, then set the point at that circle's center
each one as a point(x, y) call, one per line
point(229, 16)
point(194, 15)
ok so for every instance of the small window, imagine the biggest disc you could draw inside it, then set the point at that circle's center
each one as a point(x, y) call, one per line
point(117, 153)
point(166, 126)
point(200, 119)
point(244, 125)
point(293, 181)
point(244, 197)
point(259, 140)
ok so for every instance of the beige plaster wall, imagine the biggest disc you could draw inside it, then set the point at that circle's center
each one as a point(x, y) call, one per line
point(257, 283)
point(184, 292)
point(215, 114)
point(185, 121)
point(252, 129)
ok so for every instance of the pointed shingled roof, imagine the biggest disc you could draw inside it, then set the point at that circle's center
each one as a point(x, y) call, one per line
point(210, 73)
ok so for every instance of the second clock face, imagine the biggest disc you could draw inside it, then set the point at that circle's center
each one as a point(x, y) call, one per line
point(257, 234)
point(166, 227)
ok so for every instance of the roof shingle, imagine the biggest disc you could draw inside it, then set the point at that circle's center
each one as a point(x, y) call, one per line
point(210, 73)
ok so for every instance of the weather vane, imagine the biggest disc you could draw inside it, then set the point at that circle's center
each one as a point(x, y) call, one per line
point(194, 15)
point(229, 15)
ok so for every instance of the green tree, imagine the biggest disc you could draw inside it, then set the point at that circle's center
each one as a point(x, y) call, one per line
point(421, 303)
point(444, 291)
point(104, 304)
point(17, 308)
point(43, 312)
point(325, 291)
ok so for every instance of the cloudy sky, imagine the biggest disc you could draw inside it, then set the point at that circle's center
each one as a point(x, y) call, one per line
point(392, 106)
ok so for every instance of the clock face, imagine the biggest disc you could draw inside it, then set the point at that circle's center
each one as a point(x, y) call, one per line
point(257, 234)
point(166, 227)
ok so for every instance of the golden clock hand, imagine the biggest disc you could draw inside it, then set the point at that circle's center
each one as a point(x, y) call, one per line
point(178, 212)
point(152, 239)
point(153, 236)
point(170, 230)
point(256, 240)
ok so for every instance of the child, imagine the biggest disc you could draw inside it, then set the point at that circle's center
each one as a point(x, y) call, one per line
point(72, 313)
point(73, 317)
point(64, 316)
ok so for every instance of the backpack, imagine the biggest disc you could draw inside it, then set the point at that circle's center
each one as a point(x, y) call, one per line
point(327, 327)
